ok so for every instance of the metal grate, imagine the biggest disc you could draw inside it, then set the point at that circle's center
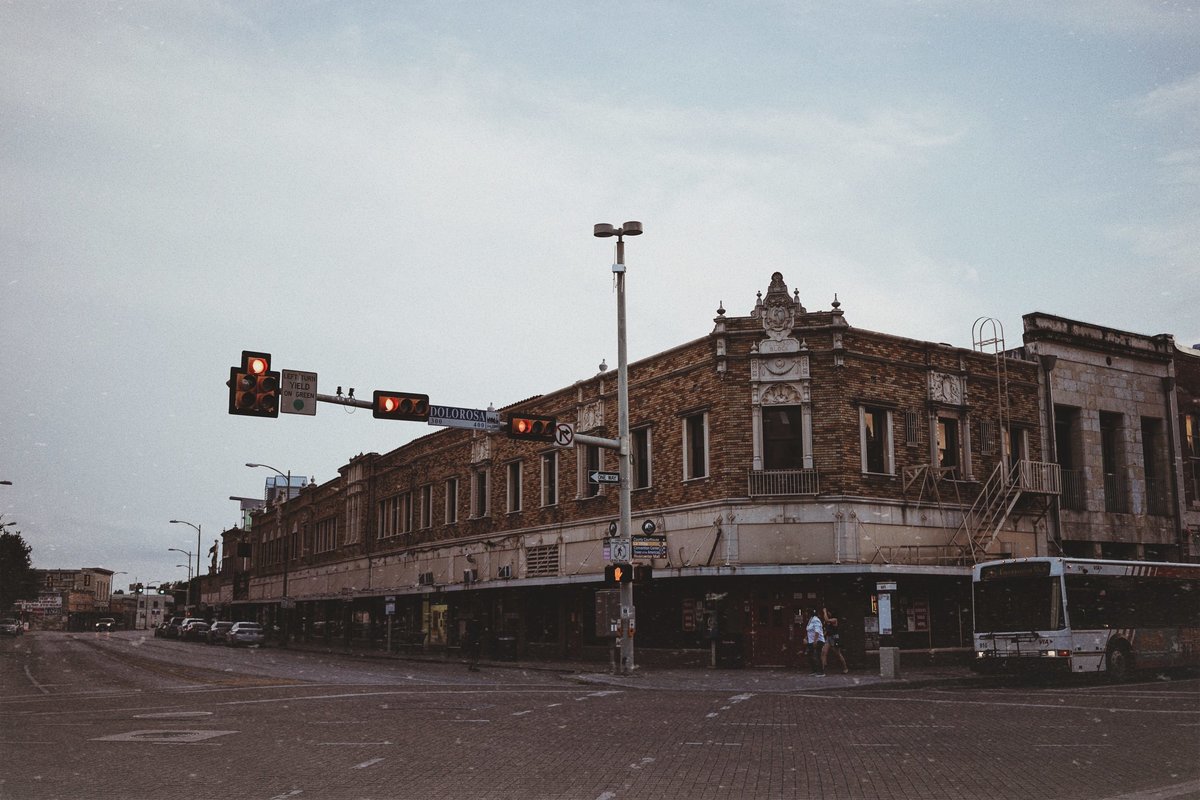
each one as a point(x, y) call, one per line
point(541, 560)
point(912, 421)
point(784, 481)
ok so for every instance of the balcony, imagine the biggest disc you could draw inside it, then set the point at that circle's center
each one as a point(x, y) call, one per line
point(1116, 495)
point(1158, 497)
point(775, 482)
point(1074, 491)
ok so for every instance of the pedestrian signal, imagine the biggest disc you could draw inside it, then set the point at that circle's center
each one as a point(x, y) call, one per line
point(618, 573)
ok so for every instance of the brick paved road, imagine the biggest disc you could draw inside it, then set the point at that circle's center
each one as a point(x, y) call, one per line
point(119, 717)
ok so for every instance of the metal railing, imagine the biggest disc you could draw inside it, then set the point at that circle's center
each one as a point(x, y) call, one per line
point(1116, 494)
point(1158, 497)
point(784, 481)
point(1074, 490)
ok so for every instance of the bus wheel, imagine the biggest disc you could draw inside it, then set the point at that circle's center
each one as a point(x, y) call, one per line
point(1116, 663)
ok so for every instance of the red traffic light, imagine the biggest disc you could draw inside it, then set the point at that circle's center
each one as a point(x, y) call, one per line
point(401, 405)
point(533, 428)
point(256, 363)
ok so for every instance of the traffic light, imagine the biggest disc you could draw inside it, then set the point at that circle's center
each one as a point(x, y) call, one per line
point(137, 588)
point(162, 589)
point(618, 573)
point(643, 573)
point(401, 405)
point(532, 428)
point(253, 387)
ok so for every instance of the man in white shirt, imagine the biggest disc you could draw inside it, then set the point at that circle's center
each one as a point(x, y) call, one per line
point(815, 636)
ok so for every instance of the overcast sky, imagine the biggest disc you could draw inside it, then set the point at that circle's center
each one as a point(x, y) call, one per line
point(401, 196)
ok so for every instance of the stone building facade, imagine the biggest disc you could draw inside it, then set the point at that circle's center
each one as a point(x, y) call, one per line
point(784, 460)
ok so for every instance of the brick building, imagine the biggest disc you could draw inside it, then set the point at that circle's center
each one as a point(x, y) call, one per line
point(785, 460)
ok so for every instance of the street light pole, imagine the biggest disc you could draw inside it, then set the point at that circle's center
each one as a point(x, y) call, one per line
point(197, 527)
point(628, 623)
point(287, 614)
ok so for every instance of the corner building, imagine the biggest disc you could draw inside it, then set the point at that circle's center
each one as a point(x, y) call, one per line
point(784, 460)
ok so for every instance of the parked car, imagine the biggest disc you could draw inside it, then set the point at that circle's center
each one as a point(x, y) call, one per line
point(170, 628)
point(106, 624)
point(194, 630)
point(218, 631)
point(244, 633)
point(11, 627)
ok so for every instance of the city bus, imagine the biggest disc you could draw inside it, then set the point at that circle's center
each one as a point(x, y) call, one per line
point(1078, 615)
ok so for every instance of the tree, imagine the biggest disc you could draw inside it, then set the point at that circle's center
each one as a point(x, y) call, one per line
point(17, 579)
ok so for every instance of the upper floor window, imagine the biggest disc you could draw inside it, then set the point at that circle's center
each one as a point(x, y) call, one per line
point(550, 478)
point(590, 459)
point(783, 437)
point(875, 440)
point(451, 500)
point(640, 444)
point(514, 486)
point(395, 515)
point(949, 446)
point(480, 490)
point(695, 446)
point(427, 506)
point(326, 534)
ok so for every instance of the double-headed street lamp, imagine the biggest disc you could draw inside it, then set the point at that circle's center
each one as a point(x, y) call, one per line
point(285, 601)
point(197, 527)
point(187, 553)
point(603, 230)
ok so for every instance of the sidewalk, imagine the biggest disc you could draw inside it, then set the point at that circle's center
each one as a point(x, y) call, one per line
point(745, 679)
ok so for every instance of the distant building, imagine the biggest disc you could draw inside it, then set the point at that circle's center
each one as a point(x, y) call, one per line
point(69, 599)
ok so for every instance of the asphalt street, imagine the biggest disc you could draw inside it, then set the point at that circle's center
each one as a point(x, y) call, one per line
point(124, 715)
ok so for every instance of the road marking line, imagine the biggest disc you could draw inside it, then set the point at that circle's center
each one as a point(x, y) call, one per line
point(366, 764)
point(33, 680)
point(286, 795)
point(1055, 706)
point(350, 744)
point(521, 713)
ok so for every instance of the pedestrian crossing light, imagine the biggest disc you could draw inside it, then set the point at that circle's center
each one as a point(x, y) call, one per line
point(532, 428)
point(401, 405)
point(618, 573)
point(253, 387)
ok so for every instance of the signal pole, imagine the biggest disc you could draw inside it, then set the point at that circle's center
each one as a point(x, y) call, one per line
point(625, 528)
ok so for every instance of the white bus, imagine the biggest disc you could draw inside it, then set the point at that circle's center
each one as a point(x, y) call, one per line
point(1082, 615)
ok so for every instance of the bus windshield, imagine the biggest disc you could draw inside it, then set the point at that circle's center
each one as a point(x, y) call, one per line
point(1018, 604)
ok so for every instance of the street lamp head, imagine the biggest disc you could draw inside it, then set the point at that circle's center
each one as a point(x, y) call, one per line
point(253, 465)
point(174, 522)
point(603, 230)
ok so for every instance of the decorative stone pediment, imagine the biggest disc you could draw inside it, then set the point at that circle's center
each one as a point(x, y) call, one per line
point(782, 394)
point(481, 449)
point(591, 416)
point(946, 388)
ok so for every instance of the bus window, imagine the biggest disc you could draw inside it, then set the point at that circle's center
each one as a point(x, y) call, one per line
point(1018, 604)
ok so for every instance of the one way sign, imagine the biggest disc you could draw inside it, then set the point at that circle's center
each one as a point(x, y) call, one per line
point(596, 476)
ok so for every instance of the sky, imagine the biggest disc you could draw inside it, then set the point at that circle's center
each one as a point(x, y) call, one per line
point(401, 196)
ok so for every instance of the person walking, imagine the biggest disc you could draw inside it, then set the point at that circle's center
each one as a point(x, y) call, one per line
point(815, 637)
point(833, 642)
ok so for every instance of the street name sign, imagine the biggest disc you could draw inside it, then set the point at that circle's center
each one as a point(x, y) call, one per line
point(297, 392)
point(473, 418)
point(597, 476)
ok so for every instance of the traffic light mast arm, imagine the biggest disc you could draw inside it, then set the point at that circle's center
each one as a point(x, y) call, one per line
point(344, 401)
point(598, 441)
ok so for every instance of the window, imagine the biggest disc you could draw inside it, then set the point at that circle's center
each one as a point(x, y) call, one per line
point(514, 486)
point(451, 501)
point(640, 443)
point(912, 428)
point(326, 534)
point(783, 437)
point(480, 486)
point(550, 478)
point(875, 440)
point(987, 437)
point(695, 446)
point(949, 446)
point(1018, 446)
point(395, 515)
point(1158, 500)
point(427, 506)
point(1116, 498)
point(354, 519)
point(589, 458)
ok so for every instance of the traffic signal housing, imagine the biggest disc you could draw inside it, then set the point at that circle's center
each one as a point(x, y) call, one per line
point(400, 405)
point(618, 573)
point(531, 427)
point(253, 387)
